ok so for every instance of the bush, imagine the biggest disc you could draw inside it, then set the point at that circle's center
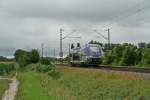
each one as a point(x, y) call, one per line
point(108, 58)
point(34, 56)
point(6, 68)
point(117, 53)
point(49, 69)
point(44, 68)
point(24, 57)
point(145, 58)
point(45, 61)
point(54, 74)
point(23, 60)
point(129, 56)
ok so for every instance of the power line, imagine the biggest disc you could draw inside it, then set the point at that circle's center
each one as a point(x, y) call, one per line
point(106, 38)
point(130, 14)
point(69, 34)
point(100, 34)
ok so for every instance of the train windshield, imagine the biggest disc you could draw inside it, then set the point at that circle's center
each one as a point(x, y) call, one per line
point(94, 49)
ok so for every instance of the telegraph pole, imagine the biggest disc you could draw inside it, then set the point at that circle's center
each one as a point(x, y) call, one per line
point(69, 49)
point(62, 38)
point(54, 53)
point(108, 30)
point(42, 47)
point(61, 52)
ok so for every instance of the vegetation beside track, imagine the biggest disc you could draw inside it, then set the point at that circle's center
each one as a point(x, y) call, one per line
point(128, 55)
point(78, 84)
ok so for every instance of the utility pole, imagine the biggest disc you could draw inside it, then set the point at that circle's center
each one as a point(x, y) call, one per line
point(69, 49)
point(42, 47)
point(62, 38)
point(61, 52)
point(54, 53)
point(108, 30)
point(46, 53)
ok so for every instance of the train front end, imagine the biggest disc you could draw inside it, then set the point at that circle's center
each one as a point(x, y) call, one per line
point(93, 54)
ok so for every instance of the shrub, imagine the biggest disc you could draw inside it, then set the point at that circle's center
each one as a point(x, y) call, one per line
point(6, 68)
point(34, 56)
point(146, 57)
point(44, 68)
point(108, 58)
point(49, 69)
point(23, 60)
point(129, 56)
point(54, 74)
point(24, 57)
point(117, 53)
point(45, 61)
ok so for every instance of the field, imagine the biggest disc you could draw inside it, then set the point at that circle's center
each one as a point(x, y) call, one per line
point(79, 84)
point(4, 84)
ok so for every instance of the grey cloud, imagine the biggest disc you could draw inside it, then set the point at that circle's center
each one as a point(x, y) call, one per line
point(28, 23)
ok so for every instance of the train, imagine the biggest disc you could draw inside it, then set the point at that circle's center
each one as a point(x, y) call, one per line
point(89, 54)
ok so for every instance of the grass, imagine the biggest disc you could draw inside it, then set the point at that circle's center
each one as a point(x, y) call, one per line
point(4, 84)
point(78, 84)
point(31, 88)
point(7, 68)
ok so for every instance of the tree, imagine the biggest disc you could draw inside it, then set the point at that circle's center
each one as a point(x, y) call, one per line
point(139, 53)
point(142, 45)
point(146, 57)
point(129, 56)
point(108, 58)
point(118, 53)
point(23, 60)
point(148, 45)
point(24, 57)
point(20, 52)
point(34, 56)
point(95, 42)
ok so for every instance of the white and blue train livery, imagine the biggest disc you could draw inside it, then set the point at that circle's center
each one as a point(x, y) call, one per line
point(90, 54)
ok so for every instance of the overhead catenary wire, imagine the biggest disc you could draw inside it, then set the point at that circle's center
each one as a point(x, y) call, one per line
point(100, 34)
point(129, 13)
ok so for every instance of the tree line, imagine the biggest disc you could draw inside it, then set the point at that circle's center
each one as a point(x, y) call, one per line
point(126, 54)
point(24, 58)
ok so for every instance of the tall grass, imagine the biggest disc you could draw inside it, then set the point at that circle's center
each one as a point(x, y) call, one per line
point(77, 84)
point(6, 68)
point(4, 84)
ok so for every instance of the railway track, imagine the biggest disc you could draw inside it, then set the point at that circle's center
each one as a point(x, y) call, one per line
point(114, 68)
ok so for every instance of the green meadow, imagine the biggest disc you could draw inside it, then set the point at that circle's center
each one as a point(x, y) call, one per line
point(79, 84)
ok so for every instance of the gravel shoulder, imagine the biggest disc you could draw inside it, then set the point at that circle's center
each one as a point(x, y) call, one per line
point(135, 74)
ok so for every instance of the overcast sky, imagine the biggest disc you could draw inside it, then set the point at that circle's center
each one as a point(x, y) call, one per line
point(28, 23)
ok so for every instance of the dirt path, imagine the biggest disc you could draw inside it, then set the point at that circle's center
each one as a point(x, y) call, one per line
point(12, 91)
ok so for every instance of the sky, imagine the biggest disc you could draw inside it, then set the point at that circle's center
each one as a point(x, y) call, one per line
point(26, 24)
